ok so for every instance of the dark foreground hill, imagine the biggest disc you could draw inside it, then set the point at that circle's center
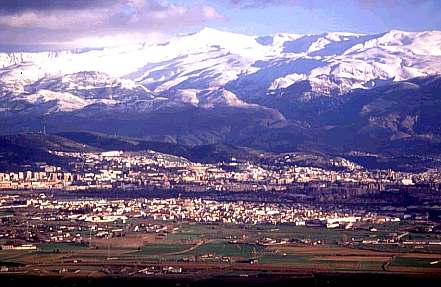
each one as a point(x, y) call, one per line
point(29, 148)
point(396, 119)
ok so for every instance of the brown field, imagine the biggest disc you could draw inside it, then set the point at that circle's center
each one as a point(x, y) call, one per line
point(413, 269)
point(327, 250)
point(130, 241)
point(433, 256)
point(352, 258)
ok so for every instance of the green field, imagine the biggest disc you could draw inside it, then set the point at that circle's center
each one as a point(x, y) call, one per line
point(232, 244)
point(5, 213)
point(416, 262)
point(159, 249)
point(52, 247)
point(222, 248)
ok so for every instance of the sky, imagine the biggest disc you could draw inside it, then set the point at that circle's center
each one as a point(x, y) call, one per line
point(43, 24)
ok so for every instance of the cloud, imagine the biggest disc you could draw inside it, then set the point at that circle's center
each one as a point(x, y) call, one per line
point(43, 22)
point(15, 6)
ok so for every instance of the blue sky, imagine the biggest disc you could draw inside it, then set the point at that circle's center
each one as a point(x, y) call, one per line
point(318, 16)
point(86, 23)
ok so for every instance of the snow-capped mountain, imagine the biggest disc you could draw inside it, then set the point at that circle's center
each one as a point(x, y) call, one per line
point(210, 86)
point(246, 65)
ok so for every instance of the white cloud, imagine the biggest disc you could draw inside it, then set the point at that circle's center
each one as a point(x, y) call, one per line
point(33, 24)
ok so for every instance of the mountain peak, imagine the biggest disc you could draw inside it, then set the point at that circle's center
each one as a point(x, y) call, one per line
point(219, 36)
point(209, 30)
point(247, 66)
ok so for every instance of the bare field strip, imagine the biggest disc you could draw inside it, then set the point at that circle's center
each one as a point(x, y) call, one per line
point(327, 250)
point(352, 258)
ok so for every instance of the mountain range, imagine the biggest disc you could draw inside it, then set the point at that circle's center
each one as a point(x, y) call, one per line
point(333, 92)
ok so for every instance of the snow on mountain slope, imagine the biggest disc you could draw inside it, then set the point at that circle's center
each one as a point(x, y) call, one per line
point(93, 85)
point(363, 61)
point(67, 93)
point(65, 102)
point(250, 67)
point(210, 99)
point(43, 102)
